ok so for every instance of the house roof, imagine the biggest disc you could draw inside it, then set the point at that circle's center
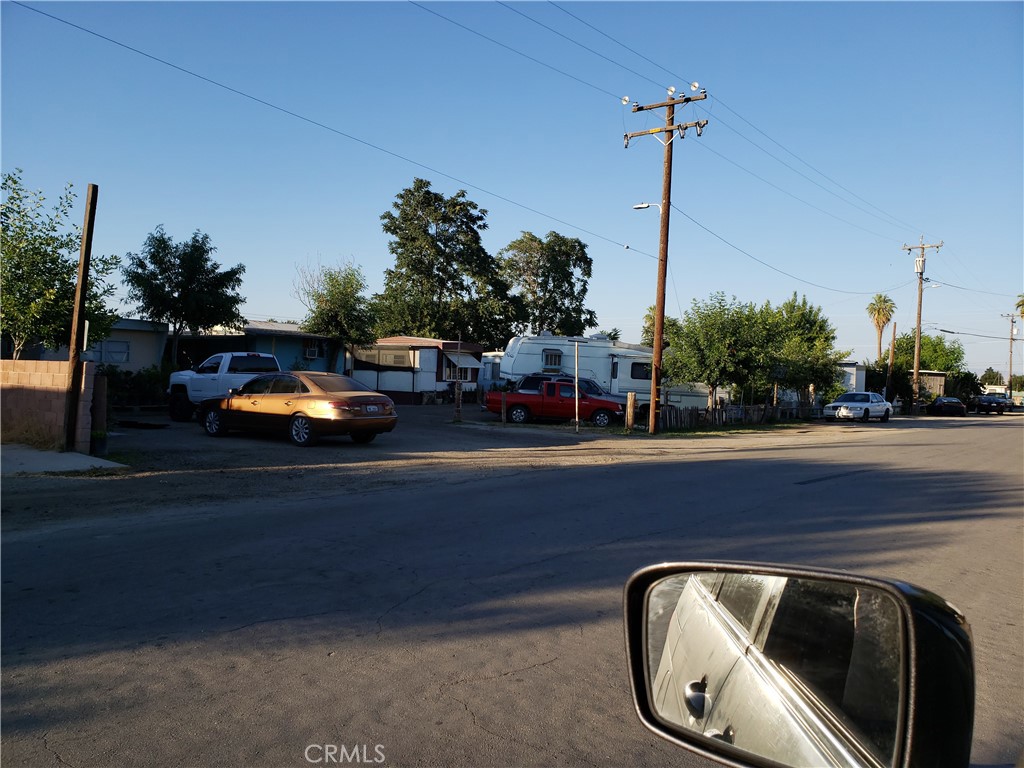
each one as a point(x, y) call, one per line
point(420, 341)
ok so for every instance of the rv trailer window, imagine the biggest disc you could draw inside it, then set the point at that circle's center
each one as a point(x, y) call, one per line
point(553, 359)
point(640, 371)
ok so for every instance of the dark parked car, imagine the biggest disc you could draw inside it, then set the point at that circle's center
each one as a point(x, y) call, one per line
point(946, 406)
point(303, 404)
point(989, 404)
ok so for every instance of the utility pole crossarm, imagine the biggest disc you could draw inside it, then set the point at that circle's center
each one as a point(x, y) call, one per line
point(672, 102)
point(681, 127)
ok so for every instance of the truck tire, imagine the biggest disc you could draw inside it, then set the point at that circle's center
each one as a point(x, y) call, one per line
point(518, 414)
point(180, 407)
point(601, 418)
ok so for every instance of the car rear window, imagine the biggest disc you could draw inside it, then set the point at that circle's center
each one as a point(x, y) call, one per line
point(338, 383)
point(252, 364)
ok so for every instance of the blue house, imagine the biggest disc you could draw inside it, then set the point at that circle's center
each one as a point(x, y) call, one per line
point(294, 348)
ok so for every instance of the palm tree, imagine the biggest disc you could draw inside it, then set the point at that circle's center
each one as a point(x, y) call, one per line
point(881, 310)
point(1020, 305)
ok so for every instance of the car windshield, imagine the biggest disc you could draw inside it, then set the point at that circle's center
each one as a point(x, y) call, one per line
point(852, 397)
point(333, 382)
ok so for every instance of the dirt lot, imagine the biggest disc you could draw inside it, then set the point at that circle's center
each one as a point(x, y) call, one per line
point(176, 464)
point(169, 463)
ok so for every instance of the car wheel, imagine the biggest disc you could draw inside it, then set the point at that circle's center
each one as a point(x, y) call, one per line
point(180, 407)
point(300, 430)
point(363, 437)
point(885, 416)
point(518, 414)
point(601, 418)
point(866, 416)
point(213, 423)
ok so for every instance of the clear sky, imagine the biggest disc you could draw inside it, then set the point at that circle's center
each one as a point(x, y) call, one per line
point(838, 132)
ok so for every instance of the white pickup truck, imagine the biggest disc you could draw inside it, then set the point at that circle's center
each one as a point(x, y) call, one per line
point(213, 378)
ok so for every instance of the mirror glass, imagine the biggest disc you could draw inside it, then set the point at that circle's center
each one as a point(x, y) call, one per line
point(802, 671)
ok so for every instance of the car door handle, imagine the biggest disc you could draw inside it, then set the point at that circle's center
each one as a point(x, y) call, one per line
point(696, 698)
point(288, 402)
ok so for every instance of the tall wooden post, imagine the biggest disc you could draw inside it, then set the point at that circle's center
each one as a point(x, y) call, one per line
point(74, 386)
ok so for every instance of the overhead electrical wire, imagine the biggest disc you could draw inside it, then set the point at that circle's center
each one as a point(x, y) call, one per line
point(718, 100)
point(439, 172)
point(324, 126)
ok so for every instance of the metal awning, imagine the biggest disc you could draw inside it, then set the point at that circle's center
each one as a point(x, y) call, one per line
point(463, 360)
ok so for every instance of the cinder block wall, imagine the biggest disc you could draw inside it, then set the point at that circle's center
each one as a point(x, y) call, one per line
point(32, 401)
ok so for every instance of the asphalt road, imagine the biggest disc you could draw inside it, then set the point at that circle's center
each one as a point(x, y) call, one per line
point(471, 614)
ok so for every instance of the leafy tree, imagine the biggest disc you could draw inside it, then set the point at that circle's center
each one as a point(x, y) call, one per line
point(707, 345)
point(335, 306)
point(804, 347)
point(444, 283)
point(723, 341)
point(180, 284)
point(880, 310)
point(615, 334)
point(39, 270)
point(937, 354)
point(1020, 305)
point(963, 385)
point(551, 277)
point(991, 376)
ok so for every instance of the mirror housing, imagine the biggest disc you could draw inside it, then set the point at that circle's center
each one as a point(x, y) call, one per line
point(935, 721)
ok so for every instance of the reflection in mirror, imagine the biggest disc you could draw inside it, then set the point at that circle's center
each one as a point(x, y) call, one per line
point(803, 671)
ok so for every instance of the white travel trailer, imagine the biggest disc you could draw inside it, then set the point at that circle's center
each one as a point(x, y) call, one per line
point(617, 366)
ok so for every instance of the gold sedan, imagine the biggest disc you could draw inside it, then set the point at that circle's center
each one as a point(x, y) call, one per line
point(306, 404)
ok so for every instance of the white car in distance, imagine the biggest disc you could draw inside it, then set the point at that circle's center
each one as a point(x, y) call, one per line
point(860, 406)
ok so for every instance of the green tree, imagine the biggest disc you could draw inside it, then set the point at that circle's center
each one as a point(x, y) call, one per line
point(803, 342)
point(180, 284)
point(551, 277)
point(880, 310)
point(39, 270)
point(991, 376)
point(615, 334)
point(707, 345)
point(1020, 305)
point(336, 307)
point(937, 354)
point(444, 283)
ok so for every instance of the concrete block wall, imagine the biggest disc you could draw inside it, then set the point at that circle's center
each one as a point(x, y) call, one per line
point(32, 402)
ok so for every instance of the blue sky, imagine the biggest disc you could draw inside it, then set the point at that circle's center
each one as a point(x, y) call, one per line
point(838, 132)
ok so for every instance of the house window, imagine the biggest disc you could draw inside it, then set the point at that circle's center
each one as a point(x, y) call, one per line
point(311, 349)
point(453, 373)
point(552, 359)
point(112, 351)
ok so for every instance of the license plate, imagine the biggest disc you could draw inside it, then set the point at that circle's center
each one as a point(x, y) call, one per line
point(372, 408)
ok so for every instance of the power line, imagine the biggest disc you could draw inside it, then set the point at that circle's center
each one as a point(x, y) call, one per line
point(326, 127)
point(718, 100)
point(766, 264)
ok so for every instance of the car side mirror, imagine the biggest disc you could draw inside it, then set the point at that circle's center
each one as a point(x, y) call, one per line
point(233, 391)
point(762, 665)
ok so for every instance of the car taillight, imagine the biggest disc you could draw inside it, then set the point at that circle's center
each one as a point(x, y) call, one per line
point(342, 405)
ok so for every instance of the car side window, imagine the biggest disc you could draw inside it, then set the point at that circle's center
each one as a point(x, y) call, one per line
point(741, 595)
point(210, 365)
point(565, 390)
point(285, 385)
point(530, 383)
point(258, 386)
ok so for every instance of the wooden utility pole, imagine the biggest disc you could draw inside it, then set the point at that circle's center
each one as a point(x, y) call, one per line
point(666, 204)
point(74, 386)
point(919, 269)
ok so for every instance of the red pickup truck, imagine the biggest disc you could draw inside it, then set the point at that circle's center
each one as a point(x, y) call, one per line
point(555, 400)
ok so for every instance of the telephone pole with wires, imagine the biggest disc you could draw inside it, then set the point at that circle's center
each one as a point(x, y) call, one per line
point(919, 269)
point(1009, 373)
point(671, 130)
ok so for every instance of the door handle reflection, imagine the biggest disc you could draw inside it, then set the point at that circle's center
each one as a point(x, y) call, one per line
point(728, 735)
point(695, 697)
